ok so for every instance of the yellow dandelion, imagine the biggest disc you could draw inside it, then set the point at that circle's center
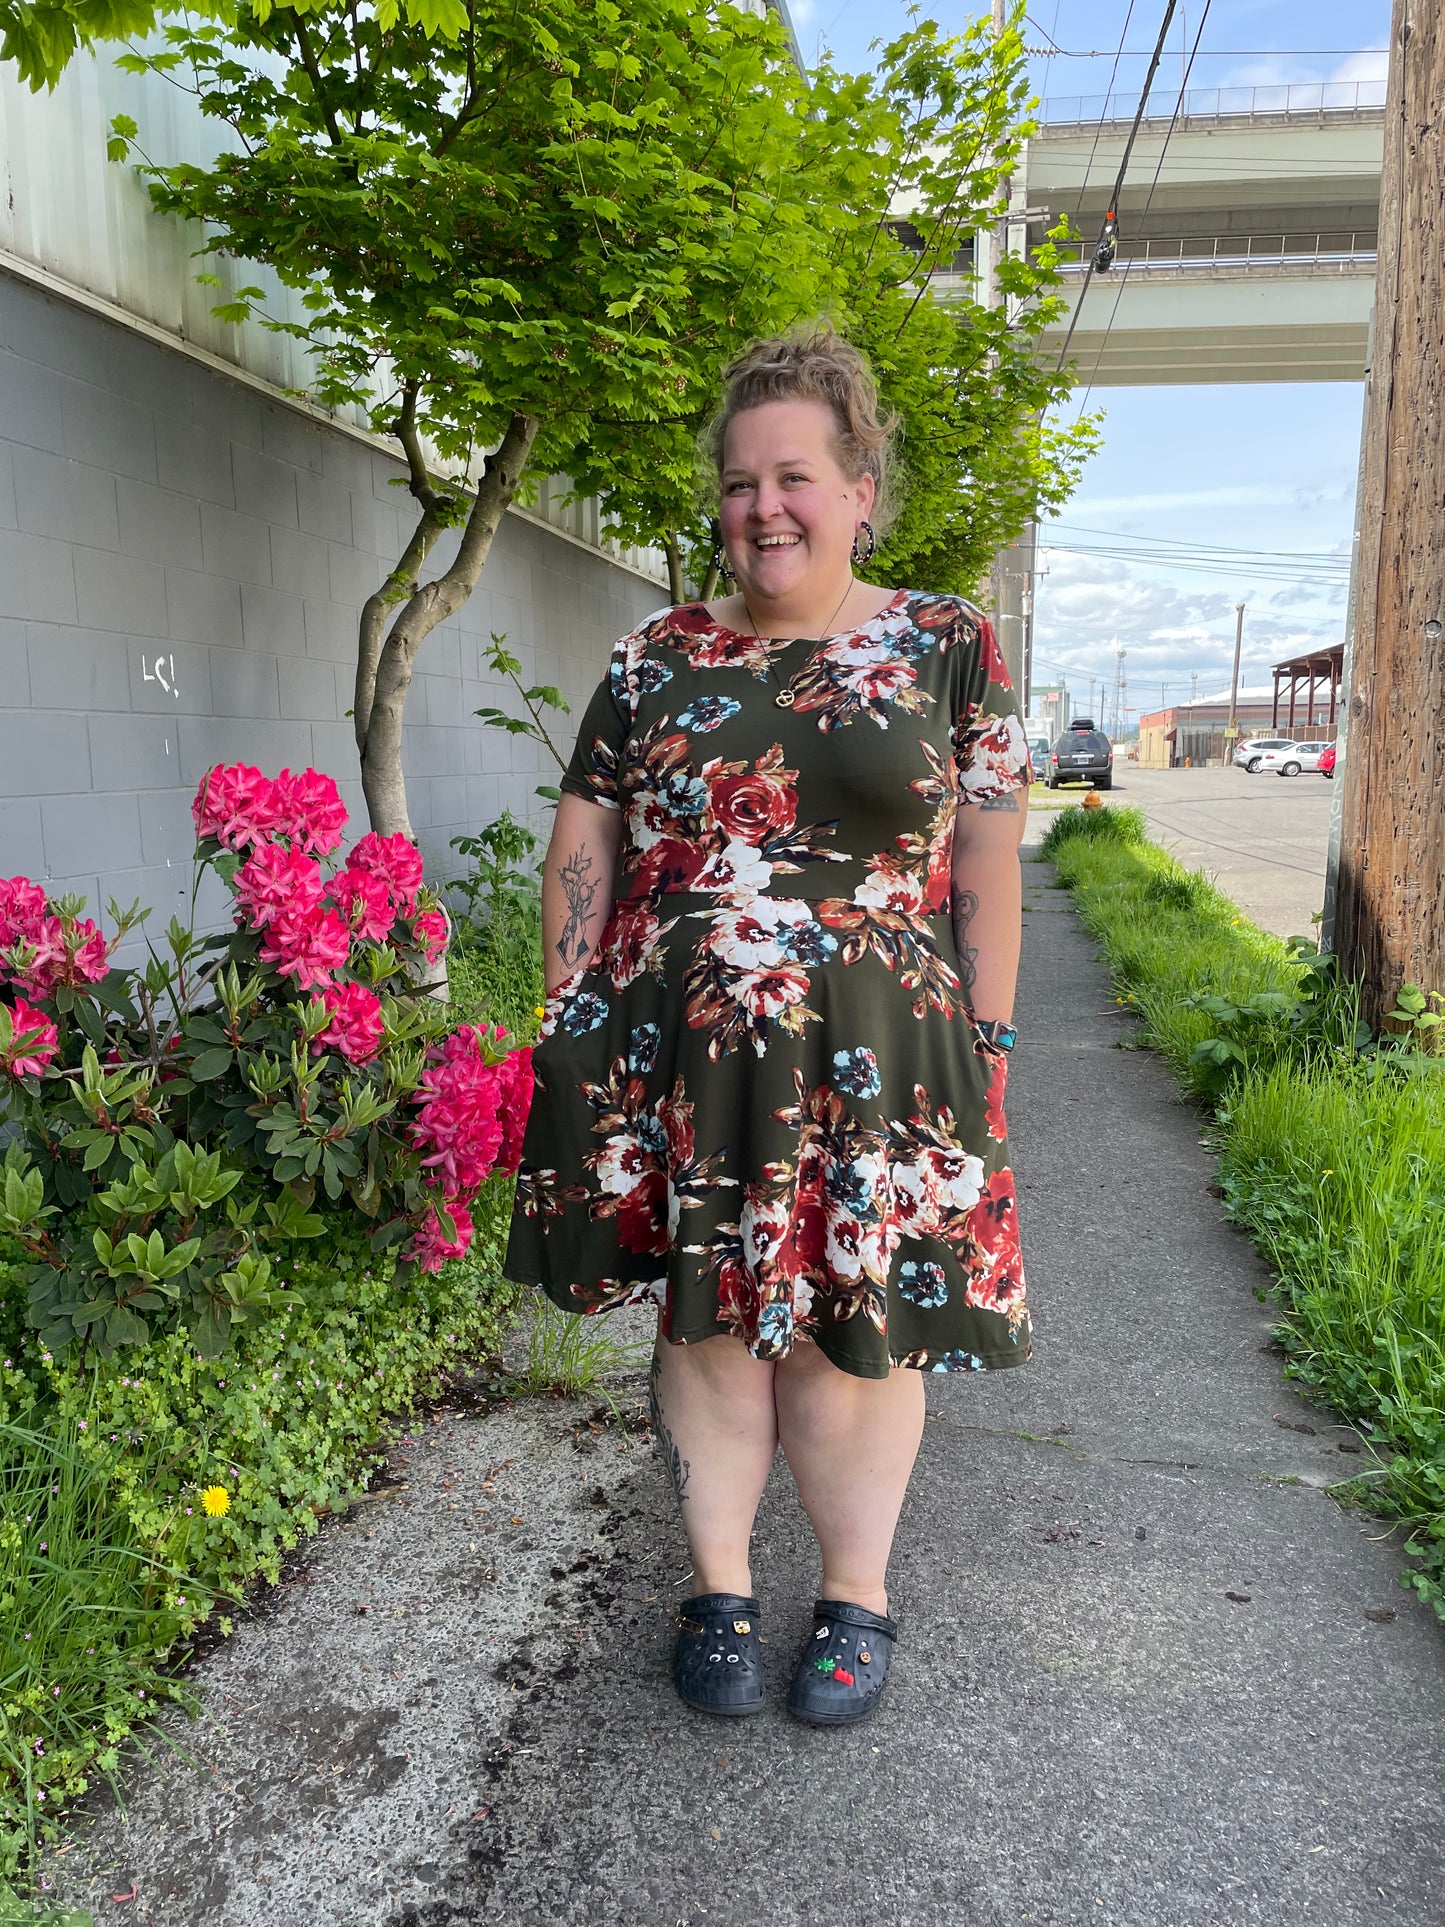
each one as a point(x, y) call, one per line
point(539, 1010)
point(216, 1501)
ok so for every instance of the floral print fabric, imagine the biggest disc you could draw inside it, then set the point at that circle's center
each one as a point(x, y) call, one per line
point(764, 1106)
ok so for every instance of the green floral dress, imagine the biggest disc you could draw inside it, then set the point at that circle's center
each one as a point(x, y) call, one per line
point(764, 1106)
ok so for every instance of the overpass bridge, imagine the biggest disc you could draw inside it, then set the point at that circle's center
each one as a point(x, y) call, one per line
point(1247, 234)
point(1247, 237)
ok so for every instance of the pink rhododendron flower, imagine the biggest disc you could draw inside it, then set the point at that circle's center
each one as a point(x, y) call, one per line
point(307, 807)
point(430, 931)
point(33, 1041)
point(430, 1246)
point(357, 1026)
point(365, 902)
point(458, 1129)
point(396, 860)
point(70, 952)
point(275, 881)
point(307, 945)
point(23, 908)
point(234, 806)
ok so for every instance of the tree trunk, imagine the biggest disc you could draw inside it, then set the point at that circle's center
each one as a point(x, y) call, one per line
point(1390, 916)
point(676, 587)
point(384, 664)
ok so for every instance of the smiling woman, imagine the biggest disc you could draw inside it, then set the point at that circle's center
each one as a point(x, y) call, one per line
point(781, 910)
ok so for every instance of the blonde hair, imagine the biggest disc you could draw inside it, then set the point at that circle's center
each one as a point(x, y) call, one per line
point(814, 364)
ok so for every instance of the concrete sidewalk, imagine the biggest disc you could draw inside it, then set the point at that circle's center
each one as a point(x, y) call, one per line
point(1151, 1675)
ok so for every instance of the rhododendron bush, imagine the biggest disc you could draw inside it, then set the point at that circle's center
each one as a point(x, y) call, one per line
point(177, 1125)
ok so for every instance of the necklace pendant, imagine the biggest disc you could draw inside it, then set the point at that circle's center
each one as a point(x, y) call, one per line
point(785, 699)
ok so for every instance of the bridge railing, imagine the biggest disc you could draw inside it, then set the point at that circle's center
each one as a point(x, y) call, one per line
point(1302, 97)
point(1338, 248)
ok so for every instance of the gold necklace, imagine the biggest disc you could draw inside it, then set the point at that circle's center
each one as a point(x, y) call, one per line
point(786, 695)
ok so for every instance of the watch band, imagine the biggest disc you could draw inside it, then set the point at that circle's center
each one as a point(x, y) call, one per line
point(995, 1034)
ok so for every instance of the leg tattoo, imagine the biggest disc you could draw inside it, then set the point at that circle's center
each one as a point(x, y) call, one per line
point(679, 1469)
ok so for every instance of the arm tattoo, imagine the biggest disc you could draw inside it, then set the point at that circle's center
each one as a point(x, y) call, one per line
point(1008, 801)
point(964, 904)
point(580, 892)
point(679, 1469)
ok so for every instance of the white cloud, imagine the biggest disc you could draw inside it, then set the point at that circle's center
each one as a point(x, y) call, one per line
point(1231, 495)
point(1087, 607)
point(1372, 63)
point(1369, 65)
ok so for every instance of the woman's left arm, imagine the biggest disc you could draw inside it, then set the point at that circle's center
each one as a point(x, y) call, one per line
point(987, 899)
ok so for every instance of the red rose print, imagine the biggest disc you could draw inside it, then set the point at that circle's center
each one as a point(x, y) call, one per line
point(750, 807)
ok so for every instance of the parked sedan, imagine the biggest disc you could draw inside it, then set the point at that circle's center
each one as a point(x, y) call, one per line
point(1326, 765)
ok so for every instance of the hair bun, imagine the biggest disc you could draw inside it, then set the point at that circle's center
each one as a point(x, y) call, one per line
point(813, 363)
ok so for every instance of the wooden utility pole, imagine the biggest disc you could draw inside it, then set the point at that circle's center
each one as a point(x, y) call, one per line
point(1231, 728)
point(1390, 911)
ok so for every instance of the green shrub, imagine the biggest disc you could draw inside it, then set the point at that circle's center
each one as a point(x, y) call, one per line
point(181, 1126)
point(232, 1211)
point(285, 1427)
point(1113, 823)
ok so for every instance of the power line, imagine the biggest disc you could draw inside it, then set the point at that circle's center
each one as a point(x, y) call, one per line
point(1210, 548)
point(1111, 217)
point(1227, 570)
point(1083, 188)
point(1103, 253)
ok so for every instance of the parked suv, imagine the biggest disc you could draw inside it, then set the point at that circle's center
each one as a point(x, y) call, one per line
point(1249, 756)
point(1297, 757)
point(1082, 754)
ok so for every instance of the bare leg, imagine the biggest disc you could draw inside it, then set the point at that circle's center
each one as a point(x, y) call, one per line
point(851, 1443)
point(717, 1429)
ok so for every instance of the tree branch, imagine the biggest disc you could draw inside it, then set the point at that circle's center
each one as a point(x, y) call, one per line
point(313, 73)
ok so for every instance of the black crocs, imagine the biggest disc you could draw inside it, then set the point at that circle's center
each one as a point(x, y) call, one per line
point(717, 1667)
point(843, 1669)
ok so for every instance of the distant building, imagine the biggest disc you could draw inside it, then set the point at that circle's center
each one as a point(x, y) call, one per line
point(1052, 707)
point(1194, 732)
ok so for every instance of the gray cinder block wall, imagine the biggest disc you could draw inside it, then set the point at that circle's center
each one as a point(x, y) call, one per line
point(182, 563)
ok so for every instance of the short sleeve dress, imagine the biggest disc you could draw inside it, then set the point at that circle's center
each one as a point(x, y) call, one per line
point(764, 1105)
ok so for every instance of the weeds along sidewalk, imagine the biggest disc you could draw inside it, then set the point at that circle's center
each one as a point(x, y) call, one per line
point(1331, 1144)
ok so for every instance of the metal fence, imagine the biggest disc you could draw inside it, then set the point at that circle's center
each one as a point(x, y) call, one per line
point(1339, 247)
point(1220, 103)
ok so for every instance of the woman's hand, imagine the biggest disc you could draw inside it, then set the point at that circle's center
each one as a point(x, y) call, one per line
point(578, 882)
point(987, 900)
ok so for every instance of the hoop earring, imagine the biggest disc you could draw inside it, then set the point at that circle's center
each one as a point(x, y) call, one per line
point(720, 563)
point(860, 554)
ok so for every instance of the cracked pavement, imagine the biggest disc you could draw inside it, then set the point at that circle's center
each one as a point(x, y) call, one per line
point(1151, 1673)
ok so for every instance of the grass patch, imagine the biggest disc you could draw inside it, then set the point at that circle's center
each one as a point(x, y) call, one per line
point(1331, 1142)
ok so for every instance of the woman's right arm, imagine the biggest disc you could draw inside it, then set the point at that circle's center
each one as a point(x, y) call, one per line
point(578, 880)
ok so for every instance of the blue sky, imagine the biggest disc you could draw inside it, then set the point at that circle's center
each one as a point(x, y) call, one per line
point(1247, 467)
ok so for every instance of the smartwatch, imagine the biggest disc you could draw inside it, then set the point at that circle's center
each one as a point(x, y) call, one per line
point(995, 1035)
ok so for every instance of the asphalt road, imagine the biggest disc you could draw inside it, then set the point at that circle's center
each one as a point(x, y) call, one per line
point(1263, 839)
